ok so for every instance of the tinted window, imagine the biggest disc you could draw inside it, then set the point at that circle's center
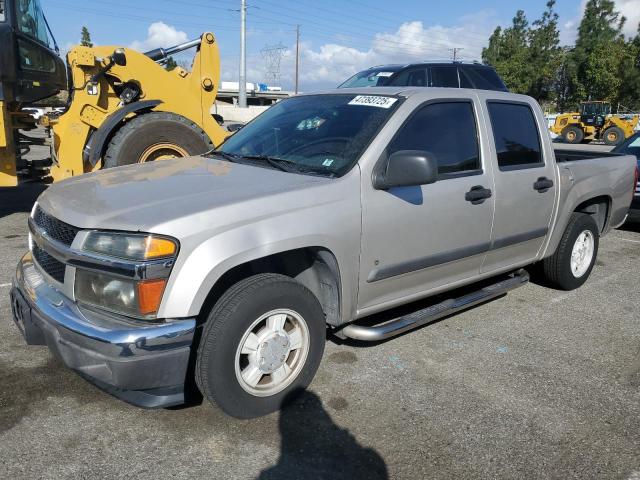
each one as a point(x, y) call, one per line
point(416, 77)
point(34, 57)
point(31, 20)
point(483, 78)
point(444, 77)
point(447, 131)
point(515, 134)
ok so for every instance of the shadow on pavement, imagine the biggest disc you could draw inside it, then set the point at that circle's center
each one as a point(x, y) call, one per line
point(630, 226)
point(313, 447)
point(19, 199)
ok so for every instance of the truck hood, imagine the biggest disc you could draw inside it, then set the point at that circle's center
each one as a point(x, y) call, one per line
point(147, 197)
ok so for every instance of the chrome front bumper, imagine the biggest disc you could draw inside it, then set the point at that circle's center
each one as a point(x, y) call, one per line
point(141, 363)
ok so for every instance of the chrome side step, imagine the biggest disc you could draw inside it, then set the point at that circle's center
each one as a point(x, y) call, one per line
point(416, 319)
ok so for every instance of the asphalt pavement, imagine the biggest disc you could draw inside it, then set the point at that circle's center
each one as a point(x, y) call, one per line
point(537, 384)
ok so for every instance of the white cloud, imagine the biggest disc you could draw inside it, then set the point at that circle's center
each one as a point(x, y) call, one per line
point(628, 8)
point(631, 10)
point(159, 35)
point(330, 64)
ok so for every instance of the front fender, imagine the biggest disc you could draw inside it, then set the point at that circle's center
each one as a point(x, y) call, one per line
point(190, 285)
point(92, 153)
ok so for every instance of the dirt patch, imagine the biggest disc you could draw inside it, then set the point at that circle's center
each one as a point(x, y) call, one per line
point(343, 357)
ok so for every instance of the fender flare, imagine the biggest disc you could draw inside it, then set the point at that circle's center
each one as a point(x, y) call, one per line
point(93, 150)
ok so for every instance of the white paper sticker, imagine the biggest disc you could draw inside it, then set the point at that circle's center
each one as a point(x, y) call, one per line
point(373, 101)
point(384, 74)
point(327, 162)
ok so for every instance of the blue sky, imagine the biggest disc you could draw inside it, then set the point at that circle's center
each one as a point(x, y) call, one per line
point(338, 37)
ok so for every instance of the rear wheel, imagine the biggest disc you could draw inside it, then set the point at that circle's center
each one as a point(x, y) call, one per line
point(263, 341)
point(155, 136)
point(613, 136)
point(572, 134)
point(571, 264)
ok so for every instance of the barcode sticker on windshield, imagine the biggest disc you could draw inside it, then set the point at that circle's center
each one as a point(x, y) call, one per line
point(373, 101)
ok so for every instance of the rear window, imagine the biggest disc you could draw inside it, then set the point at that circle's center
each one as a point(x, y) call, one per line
point(483, 78)
point(516, 135)
point(444, 77)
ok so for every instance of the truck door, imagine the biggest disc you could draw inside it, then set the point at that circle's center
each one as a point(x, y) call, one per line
point(417, 239)
point(525, 186)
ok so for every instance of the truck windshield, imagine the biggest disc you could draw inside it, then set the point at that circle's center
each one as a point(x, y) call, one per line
point(31, 20)
point(315, 134)
point(374, 77)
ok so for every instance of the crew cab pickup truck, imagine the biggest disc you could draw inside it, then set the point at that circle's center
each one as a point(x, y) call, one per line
point(228, 268)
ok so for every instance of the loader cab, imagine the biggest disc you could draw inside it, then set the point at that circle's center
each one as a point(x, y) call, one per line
point(30, 68)
point(594, 113)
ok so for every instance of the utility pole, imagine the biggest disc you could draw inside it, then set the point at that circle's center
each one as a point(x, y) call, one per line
point(297, 56)
point(455, 52)
point(242, 84)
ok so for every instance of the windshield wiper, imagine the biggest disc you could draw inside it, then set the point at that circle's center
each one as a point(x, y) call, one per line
point(227, 156)
point(279, 163)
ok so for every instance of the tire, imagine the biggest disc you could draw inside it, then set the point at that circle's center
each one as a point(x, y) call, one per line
point(153, 136)
point(572, 134)
point(558, 269)
point(613, 136)
point(220, 365)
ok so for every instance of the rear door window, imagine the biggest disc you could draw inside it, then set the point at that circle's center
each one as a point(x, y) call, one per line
point(414, 77)
point(516, 135)
point(448, 131)
point(483, 78)
point(444, 77)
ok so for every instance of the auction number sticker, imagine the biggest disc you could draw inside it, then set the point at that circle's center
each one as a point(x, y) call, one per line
point(373, 101)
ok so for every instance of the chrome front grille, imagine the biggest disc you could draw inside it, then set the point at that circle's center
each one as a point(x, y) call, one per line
point(52, 267)
point(638, 188)
point(54, 228)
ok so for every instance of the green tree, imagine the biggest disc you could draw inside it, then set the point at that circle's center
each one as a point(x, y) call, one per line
point(545, 55)
point(599, 51)
point(508, 51)
point(170, 64)
point(85, 38)
point(629, 93)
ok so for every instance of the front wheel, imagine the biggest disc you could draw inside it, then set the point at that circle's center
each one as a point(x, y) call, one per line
point(571, 264)
point(613, 136)
point(263, 340)
point(155, 136)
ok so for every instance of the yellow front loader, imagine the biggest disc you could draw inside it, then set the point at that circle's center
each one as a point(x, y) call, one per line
point(594, 121)
point(124, 107)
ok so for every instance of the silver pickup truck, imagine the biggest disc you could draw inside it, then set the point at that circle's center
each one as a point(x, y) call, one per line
point(225, 271)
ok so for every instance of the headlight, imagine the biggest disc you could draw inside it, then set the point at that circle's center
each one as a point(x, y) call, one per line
point(132, 297)
point(130, 246)
point(139, 299)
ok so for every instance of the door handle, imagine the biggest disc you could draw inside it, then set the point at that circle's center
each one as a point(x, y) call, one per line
point(543, 184)
point(477, 195)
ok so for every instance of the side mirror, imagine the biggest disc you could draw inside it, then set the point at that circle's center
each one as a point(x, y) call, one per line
point(407, 168)
point(119, 57)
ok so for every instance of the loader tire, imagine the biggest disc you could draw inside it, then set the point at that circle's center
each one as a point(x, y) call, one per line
point(613, 136)
point(572, 134)
point(155, 136)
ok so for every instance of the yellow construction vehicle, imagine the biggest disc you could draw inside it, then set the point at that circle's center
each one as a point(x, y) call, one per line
point(124, 107)
point(594, 121)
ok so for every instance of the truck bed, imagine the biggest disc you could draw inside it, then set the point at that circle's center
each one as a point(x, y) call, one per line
point(574, 155)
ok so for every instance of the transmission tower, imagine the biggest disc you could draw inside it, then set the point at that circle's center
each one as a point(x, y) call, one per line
point(272, 55)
